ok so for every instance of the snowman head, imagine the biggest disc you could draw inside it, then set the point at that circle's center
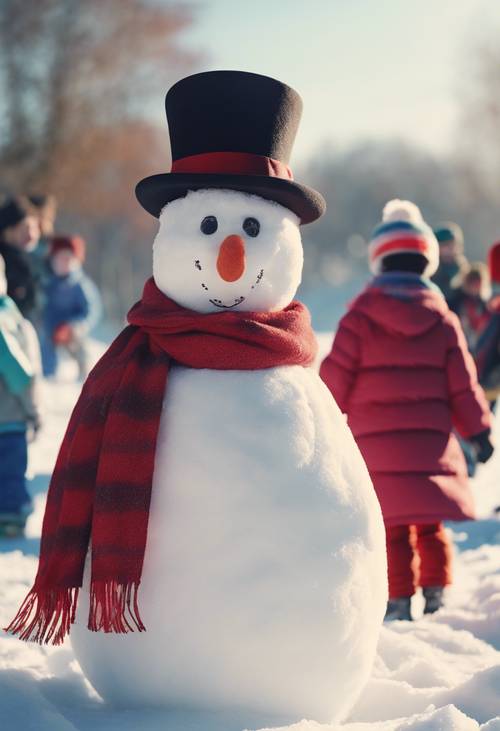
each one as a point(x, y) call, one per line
point(219, 250)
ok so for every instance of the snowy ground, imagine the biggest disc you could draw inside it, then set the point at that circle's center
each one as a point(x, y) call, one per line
point(436, 674)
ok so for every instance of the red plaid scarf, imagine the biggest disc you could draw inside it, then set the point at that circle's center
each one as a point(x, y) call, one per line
point(101, 486)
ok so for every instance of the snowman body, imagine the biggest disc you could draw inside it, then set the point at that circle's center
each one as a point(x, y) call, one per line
point(264, 579)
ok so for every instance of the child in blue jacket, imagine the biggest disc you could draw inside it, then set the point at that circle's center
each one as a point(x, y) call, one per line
point(19, 409)
point(72, 306)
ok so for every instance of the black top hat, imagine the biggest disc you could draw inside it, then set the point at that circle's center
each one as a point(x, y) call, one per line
point(235, 130)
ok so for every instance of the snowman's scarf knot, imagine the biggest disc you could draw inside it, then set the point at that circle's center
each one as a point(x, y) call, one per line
point(100, 491)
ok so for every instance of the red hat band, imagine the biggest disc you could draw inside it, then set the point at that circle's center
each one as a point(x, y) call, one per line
point(232, 163)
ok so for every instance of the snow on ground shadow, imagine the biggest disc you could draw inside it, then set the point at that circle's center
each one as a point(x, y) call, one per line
point(436, 674)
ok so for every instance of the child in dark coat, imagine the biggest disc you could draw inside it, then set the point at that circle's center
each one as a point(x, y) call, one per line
point(19, 234)
point(451, 257)
point(487, 351)
point(400, 369)
point(45, 208)
point(19, 408)
point(72, 306)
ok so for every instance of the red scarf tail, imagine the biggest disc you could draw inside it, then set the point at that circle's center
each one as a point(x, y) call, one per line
point(49, 609)
point(123, 492)
point(101, 486)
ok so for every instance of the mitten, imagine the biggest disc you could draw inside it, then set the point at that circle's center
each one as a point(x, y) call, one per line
point(483, 445)
point(63, 334)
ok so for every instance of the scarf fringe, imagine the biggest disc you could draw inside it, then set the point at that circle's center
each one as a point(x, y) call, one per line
point(114, 607)
point(45, 615)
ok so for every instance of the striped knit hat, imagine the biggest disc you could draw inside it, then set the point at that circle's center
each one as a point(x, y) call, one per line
point(403, 231)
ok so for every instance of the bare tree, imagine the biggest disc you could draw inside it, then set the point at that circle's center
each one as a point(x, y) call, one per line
point(78, 79)
point(479, 99)
point(73, 72)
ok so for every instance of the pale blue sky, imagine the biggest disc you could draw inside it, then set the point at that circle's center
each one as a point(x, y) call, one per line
point(365, 68)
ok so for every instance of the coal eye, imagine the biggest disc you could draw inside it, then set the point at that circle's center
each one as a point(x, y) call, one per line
point(209, 225)
point(251, 227)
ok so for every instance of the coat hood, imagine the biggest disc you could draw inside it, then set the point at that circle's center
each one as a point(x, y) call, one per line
point(406, 306)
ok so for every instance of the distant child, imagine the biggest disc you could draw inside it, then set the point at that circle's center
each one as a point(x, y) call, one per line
point(451, 257)
point(19, 409)
point(487, 351)
point(72, 306)
point(400, 369)
point(469, 301)
point(19, 234)
point(45, 209)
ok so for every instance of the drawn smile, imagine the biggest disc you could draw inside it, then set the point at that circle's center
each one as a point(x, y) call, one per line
point(219, 303)
point(237, 301)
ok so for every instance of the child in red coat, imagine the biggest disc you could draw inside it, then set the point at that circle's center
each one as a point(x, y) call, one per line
point(400, 369)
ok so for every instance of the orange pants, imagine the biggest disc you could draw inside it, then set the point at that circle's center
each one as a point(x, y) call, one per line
point(417, 555)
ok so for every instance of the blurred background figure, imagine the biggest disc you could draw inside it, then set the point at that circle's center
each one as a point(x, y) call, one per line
point(487, 351)
point(400, 369)
point(451, 257)
point(19, 409)
point(45, 208)
point(469, 300)
point(72, 306)
point(469, 294)
point(19, 234)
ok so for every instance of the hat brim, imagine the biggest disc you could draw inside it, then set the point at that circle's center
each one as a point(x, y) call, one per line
point(154, 192)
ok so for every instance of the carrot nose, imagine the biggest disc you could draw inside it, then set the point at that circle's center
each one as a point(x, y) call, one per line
point(231, 258)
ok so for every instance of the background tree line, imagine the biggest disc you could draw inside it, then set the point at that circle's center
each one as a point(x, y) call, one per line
point(77, 80)
point(80, 82)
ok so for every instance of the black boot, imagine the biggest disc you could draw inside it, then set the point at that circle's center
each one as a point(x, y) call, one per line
point(433, 596)
point(398, 608)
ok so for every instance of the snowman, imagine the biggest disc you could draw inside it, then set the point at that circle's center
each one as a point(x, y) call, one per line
point(261, 581)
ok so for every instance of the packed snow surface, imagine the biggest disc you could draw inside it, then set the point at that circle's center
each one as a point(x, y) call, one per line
point(436, 674)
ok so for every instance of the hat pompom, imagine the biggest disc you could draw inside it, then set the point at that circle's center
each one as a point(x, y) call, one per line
point(399, 210)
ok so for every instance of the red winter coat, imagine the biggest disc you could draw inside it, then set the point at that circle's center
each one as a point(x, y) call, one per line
point(401, 371)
